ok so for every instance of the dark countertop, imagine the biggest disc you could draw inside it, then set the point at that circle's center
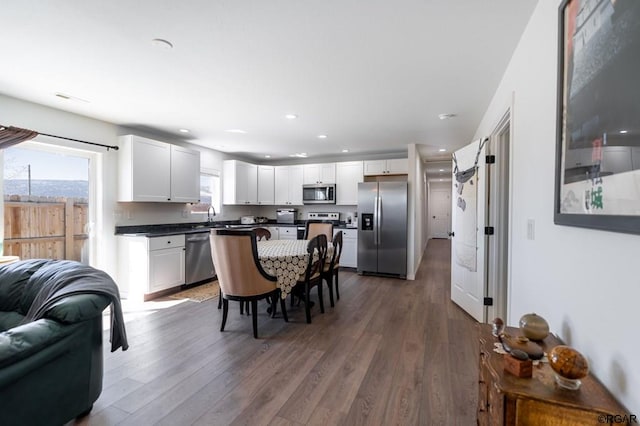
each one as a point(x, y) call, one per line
point(191, 228)
point(198, 227)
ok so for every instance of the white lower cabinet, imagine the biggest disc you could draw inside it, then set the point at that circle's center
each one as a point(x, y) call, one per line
point(150, 264)
point(288, 233)
point(349, 256)
point(275, 232)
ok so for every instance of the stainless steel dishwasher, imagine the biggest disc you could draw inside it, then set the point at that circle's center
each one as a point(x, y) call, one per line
point(198, 262)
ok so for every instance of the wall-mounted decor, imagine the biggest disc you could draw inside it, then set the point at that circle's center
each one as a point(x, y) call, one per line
point(598, 128)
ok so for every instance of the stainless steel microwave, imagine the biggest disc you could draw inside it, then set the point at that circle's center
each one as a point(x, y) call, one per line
point(319, 194)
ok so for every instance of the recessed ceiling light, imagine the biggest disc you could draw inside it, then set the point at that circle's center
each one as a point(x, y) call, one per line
point(291, 116)
point(267, 156)
point(162, 44)
point(446, 116)
point(624, 131)
point(441, 170)
point(442, 150)
point(322, 136)
point(345, 150)
point(236, 131)
point(184, 130)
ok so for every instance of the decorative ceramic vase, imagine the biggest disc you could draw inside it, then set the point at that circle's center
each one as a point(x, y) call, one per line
point(569, 365)
point(497, 327)
point(534, 326)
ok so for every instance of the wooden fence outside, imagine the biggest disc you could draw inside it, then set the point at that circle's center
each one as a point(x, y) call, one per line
point(45, 227)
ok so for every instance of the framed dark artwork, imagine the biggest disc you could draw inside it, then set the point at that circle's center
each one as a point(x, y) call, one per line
point(598, 125)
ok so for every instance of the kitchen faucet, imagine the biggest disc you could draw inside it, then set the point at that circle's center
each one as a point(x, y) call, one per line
point(210, 214)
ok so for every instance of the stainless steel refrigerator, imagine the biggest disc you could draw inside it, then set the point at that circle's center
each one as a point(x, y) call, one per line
point(382, 228)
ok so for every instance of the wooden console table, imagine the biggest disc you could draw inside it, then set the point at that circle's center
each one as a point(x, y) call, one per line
point(505, 399)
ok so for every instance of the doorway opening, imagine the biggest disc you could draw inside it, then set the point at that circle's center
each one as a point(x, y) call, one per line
point(439, 208)
point(49, 202)
point(498, 199)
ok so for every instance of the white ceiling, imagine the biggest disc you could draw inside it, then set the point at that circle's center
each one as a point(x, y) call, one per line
point(371, 75)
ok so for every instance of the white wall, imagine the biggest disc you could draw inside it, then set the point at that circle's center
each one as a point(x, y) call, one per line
point(416, 236)
point(584, 282)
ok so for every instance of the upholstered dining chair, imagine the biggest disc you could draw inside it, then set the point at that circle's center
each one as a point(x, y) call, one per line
point(331, 267)
point(313, 228)
point(312, 276)
point(241, 277)
point(262, 233)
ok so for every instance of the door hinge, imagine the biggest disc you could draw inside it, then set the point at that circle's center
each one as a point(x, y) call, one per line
point(488, 301)
point(489, 230)
point(490, 159)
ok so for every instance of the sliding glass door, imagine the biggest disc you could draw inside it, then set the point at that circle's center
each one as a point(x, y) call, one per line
point(49, 207)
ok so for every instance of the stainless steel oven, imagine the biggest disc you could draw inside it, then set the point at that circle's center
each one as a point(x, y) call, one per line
point(319, 194)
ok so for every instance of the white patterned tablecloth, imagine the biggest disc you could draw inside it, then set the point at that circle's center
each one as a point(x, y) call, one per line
point(285, 259)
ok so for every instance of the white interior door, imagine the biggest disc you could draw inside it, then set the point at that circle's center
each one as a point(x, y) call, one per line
point(440, 213)
point(468, 211)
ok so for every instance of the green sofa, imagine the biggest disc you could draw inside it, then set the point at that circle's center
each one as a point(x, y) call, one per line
point(51, 339)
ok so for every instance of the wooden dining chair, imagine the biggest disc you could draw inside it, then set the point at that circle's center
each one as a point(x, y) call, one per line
point(312, 276)
point(240, 275)
point(313, 228)
point(331, 267)
point(262, 233)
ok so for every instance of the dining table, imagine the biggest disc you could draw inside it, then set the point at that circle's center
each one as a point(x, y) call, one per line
point(287, 260)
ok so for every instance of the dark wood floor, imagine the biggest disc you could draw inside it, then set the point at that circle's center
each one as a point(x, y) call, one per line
point(392, 352)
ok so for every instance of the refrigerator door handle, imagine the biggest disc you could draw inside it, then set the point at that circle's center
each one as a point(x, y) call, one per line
point(379, 220)
point(378, 202)
point(375, 221)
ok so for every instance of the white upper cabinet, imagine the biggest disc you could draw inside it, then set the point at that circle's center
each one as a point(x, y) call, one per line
point(239, 182)
point(185, 175)
point(266, 182)
point(396, 166)
point(288, 185)
point(319, 173)
point(348, 175)
point(151, 170)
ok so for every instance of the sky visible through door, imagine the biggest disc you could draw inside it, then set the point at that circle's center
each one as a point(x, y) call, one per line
point(45, 174)
point(46, 203)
